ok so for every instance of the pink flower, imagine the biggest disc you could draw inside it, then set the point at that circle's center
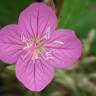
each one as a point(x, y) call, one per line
point(37, 47)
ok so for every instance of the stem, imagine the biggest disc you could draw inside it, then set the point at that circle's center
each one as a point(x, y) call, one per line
point(59, 9)
point(52, 4)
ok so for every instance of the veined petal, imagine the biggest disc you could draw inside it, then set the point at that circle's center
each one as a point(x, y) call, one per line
point(10, 44)
point(64, 47)
point(33, 75)
point(37, 20)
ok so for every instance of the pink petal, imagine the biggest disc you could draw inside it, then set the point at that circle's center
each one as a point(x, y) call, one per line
point(64, 47)
point(10, 44)
point(36, 20)
point(33, 75)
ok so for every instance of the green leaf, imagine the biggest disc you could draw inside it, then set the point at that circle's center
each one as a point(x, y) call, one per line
point(72, 12)
point(10, 10)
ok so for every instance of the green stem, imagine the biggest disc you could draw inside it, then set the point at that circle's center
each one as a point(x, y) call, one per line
point(52, 4)
point(59, 9)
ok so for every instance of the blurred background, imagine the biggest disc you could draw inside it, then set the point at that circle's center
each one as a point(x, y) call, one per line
point(80, 80)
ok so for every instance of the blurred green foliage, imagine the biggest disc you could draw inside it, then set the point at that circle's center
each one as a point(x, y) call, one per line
point(10, 10)
point(72, 12)
point(79, 15)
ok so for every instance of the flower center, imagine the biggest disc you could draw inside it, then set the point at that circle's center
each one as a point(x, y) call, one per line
point(35, 47)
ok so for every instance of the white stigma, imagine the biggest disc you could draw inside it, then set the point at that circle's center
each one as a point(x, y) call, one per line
point(34, 46)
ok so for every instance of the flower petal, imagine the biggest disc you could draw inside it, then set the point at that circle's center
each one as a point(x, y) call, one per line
point(64, 47)
point(36, 20)
point(34, 75)
point(10, 44)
